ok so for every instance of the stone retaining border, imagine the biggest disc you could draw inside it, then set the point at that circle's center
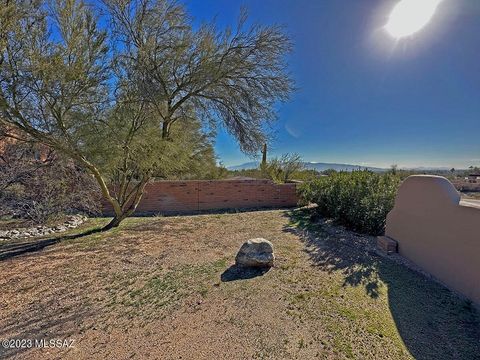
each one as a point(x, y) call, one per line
point(72, 222)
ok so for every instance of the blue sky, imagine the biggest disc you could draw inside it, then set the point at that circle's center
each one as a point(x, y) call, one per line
point(363, 97)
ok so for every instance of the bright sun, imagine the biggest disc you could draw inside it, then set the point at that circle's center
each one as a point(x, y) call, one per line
point(409, 16)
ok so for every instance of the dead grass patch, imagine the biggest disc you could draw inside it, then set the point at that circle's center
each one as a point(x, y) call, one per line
point(153, 289)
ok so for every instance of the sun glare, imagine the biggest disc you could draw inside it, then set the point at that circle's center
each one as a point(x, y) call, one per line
point(410, 16)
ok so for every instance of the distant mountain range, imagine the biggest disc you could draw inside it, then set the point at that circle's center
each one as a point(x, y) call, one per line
point(312, 165)
point(245, 166)
point(338, 167)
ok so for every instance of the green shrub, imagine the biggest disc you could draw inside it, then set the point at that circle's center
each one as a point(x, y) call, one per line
point(360, 200)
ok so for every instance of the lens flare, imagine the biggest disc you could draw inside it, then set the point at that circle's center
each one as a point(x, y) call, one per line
point(410, 16)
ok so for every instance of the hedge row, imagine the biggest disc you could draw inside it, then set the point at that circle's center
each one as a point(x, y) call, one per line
point(360, 200)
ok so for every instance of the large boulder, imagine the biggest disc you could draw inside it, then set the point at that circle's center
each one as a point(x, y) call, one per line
point(255, 253)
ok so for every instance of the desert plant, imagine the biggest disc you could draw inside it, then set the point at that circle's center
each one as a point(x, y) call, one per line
point(360, 200)
point(41, 188)
point(113, 110)
point(282, 169)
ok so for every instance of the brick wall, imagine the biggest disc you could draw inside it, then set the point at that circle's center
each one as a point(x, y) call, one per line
point(187, 197)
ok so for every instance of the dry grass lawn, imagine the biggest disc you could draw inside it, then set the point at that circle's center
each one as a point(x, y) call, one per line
point(165, 288)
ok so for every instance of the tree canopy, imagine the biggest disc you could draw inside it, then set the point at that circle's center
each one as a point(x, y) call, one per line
point(118, 98)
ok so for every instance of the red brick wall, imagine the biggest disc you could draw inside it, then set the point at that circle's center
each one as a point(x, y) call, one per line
point(177, 197)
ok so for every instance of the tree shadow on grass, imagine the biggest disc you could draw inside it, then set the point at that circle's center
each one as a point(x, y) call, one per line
point(433, 322)
point(62, 311)
point(61, 324)
point(235, 272)
point(331, 248)
point(11, 250)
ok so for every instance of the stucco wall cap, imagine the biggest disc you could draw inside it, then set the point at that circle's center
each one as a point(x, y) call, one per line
point(426, 191)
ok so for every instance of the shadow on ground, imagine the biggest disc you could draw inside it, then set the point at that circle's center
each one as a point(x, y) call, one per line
point(10, 250)
point(433, 322)
point(235, 272)
point(65, 327)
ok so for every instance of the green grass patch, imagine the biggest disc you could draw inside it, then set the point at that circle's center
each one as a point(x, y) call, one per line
point(146, 292)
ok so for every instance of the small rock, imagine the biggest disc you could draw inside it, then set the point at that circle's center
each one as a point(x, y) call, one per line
point(255, 253)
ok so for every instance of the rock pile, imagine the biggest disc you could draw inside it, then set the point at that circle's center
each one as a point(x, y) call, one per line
point(72, 222)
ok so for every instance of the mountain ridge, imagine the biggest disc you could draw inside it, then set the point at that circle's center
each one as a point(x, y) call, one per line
point(319, 166)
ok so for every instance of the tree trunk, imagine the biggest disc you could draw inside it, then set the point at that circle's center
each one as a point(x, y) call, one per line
point(124, 213)
point(114, 222)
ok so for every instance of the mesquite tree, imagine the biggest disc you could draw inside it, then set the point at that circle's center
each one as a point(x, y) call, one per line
point(107, 92)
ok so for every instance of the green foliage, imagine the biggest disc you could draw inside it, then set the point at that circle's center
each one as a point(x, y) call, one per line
point(329, 172)
point(282, 169)
point(189, 153)
point(131, 103)
point(301, 175)
point(360, 200)
point(251, 173)
point(305, 175)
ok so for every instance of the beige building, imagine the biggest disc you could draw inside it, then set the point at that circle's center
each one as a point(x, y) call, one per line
point(438, 232)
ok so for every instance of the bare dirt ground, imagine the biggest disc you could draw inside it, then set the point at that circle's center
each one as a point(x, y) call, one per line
point(166, 288)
